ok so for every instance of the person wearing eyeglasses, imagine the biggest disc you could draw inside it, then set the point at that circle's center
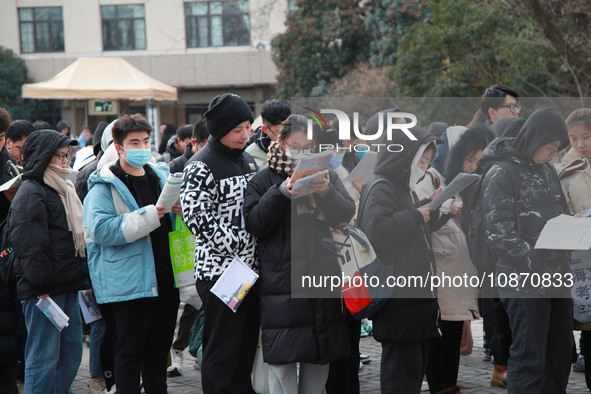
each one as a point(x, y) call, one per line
point(273, 113)
point(499, 102)
point(540, 315)
point(306, 329)
point(46, 225)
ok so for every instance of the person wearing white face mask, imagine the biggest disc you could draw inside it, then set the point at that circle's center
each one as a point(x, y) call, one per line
point(397, 225)
point(129, 256)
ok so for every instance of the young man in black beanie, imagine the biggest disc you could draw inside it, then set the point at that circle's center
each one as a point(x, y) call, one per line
point(212, 196)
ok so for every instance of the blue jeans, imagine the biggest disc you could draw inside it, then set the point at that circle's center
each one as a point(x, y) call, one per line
point(52, 357)
point(97, 332)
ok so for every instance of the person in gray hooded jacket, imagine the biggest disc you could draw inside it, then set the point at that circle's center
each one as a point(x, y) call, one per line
point(540, 315)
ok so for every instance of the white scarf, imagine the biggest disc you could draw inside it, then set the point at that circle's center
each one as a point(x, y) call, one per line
point(56, 177)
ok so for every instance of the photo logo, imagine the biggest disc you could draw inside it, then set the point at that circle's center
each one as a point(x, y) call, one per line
point(394, 121)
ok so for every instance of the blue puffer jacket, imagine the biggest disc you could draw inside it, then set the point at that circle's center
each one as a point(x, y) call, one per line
point(120, 257)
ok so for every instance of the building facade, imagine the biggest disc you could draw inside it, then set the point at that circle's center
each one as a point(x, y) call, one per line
point(203, 48)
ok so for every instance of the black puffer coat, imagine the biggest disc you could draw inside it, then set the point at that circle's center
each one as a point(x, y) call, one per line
point(46, 258)
point(12, 330)
point(308, 329)
point(540, 198)
point(401, 239)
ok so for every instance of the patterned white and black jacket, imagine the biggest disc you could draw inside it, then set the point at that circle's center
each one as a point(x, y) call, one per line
point(212, 196)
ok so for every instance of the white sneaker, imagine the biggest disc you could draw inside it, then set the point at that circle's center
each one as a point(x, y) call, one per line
point(112, 391)
point(177, 364)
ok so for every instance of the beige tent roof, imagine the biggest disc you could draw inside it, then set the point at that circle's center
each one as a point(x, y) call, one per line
point(100, 78)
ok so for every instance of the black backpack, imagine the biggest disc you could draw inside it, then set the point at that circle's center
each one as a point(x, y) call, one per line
point(473, 221)
point(7, 256)
point(6, 253)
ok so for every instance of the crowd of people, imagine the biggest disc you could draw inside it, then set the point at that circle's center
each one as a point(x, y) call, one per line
point(102, 236)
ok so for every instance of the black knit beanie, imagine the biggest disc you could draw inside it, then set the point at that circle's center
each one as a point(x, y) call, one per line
point(225, 112)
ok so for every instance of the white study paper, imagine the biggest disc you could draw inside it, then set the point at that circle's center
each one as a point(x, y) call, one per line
point(565, 232)
point(460, 182)
point(364, 167)
point(170, 194)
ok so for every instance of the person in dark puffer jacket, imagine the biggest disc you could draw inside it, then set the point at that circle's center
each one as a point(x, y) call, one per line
point(397, 227)
point(50, 263)
point(12, 330)
point(540, 316)
point(289, 234)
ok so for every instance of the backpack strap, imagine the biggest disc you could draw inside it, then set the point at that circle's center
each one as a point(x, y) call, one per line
point(434, 179)
point(363, 200)
point(515, 186)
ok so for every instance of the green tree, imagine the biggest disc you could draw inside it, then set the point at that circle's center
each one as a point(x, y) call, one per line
point(387, 21)
point(322, 41)
point(13, 74)
point(567, 27)
point(469, 45)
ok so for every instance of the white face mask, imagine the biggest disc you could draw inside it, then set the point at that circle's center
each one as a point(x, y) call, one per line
point(417, 173)
point(298, 154)
point(415, 176)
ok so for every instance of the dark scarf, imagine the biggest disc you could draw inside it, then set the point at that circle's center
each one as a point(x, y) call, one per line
point(278, 160)
point(261, 139)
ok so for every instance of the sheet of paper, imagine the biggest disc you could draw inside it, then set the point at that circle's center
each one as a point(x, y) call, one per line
point(235, 283)
point(566, 233)
point(311, 164)
point(90, 312)
point(303, 185)
point(170, 194)
point(460, 182)
point(364, 167)
point(14, 183)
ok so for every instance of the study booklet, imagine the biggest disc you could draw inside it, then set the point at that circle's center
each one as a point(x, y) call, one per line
point(311, 164)
point(235, 283)
point(459, 183)
point(303, 185)
point(171, 191)
point(53, 312)
point(565, 232)
point(89, 308)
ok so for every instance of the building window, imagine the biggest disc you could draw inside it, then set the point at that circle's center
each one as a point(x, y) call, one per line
point(42, 29)
point(124, 27)
point(217, 23)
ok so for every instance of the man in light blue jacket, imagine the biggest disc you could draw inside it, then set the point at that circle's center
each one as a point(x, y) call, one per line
point(129, 257)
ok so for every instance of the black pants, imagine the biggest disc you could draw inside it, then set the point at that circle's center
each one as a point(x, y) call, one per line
point(586, 352)
point(144, 329)
point(444, 356)
point(186, 322)
point(497, 329)
point(8, 378)
point(403, 367)
point(107, 354)
point(343, 375)
point(541, 353)
point(229, 342)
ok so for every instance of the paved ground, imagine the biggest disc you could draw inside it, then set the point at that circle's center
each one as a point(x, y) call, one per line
point(474, 375)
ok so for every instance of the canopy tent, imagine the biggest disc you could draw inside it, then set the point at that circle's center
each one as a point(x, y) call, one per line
point(100, 78)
